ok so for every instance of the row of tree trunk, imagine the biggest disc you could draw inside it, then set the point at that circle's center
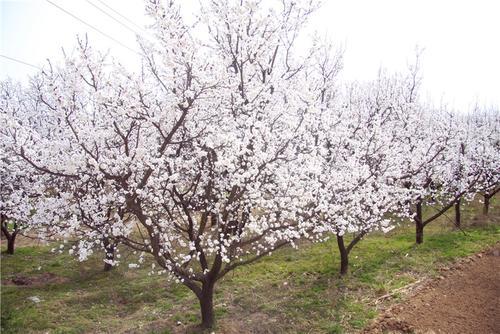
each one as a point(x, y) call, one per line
point(109, 247)
point(10, 236)
point(420, 223)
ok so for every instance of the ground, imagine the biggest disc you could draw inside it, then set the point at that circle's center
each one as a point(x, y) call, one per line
point(464, 299)
point(292, 291)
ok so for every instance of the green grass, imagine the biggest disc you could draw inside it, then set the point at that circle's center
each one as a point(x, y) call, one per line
point(292, 291)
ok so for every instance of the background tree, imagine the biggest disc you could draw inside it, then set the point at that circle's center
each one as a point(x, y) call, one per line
point(484, 126)
point(19, 184)
point(356, 162)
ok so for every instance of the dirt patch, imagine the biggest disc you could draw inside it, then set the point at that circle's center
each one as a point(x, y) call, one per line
point(255, 323)
point(464, 299)
point(37, 280)
point(24, 241)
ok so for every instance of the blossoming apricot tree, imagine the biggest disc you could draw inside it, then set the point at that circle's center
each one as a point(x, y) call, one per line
point(193, 159)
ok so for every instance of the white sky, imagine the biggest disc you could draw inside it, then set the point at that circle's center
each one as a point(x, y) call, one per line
point(461, 39)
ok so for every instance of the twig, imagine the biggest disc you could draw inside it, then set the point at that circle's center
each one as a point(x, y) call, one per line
point(393, 292)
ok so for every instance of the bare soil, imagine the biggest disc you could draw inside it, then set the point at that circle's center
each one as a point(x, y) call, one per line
point(38, 280)
point(464, 299)
point(23, 240)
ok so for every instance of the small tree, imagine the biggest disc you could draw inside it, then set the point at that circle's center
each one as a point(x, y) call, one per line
point(466, 172)
point(446, 175)
point(484, 127)
point(19, 183)
point(424, 135)
point(354, 165)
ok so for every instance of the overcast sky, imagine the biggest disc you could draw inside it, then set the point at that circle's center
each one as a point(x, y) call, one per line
point(461, 39)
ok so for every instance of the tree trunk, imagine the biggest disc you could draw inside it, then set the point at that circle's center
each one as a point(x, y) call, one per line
point(486, 206)
point(213, 219)
point(419, 225)
point(10, 243)
point(207, 305)
point(344, 255)
point(419, 233)
point(11, 237)
point(109, 249)
point(457, 213)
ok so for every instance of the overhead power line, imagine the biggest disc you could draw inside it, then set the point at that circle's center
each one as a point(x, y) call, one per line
point(138, 29)
point(19, 61)
point(112, 17)
point(122, 16)
point(92, 27)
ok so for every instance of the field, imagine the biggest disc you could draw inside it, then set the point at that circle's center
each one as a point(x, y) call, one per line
point(291, 291)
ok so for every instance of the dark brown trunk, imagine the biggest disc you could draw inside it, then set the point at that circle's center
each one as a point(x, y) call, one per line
point(11, 240)
point(207, 305)
point(344, 255)
point(419, 225)
point(457, 213)
point(419, 233)
point(10, 236)
point(109, 249)
point(486, 207)
point(213, 219)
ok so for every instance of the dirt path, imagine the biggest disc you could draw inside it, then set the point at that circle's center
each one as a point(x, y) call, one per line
point(465, 299)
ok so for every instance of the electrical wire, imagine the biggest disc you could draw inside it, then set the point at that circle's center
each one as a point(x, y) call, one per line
point(112, 17)
point(91, 26)
point(122, 16)
point(19, 61)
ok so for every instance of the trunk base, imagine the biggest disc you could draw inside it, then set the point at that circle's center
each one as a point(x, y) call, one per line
point(11, 245)
point(458, 221)
point(344, 256)
point(419, 226)
point(109, 249)
point(419, 233)
point(207, 307)
point(486, 207)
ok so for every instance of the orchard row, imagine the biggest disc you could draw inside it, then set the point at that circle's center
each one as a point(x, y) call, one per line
point(233, 140)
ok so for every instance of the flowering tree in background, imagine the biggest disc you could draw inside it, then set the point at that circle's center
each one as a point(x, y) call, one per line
point(14, 208)
point(20, 184)
point(465, 170)
point(35, 198)
point(421, 137)
point(436, 172)
point(355, 165)
point(471, 159)
point(423, 165)
point(484, 131)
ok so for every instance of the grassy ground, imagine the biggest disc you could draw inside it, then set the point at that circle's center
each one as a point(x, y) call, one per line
point(292, 291)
